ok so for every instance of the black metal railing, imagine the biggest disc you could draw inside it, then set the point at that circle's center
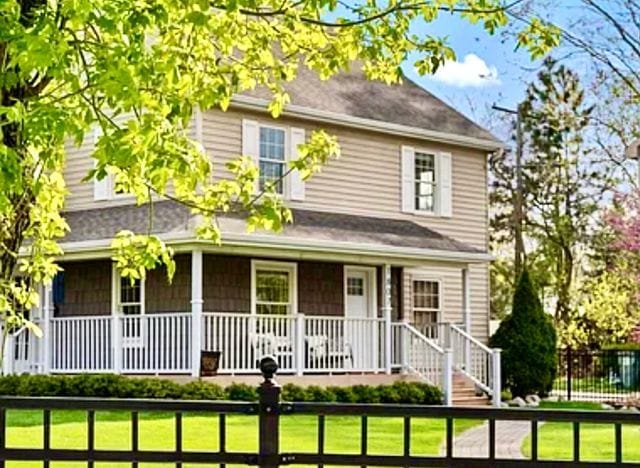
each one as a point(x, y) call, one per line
point(270, 411)
point(610, 376)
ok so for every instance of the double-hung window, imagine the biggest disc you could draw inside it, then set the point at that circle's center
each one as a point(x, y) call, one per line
point(274, 288)
point(426, 302)
point(272, 158)
point(425, 182)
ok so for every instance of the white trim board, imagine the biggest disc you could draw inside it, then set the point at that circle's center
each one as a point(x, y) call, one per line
point(252, 244)
point(316, 115)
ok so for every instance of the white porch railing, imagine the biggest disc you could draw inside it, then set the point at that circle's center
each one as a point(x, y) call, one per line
point(136, 344)
point(243, 339)
point(422, 356)
point(156, 343)
point(81, 344)
point(300, 343)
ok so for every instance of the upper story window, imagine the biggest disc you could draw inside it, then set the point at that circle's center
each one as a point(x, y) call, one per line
point(272, 158)
point(425, 181)
point(271, 149)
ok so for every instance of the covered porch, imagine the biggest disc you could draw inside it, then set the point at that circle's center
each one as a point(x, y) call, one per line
point(394, 298)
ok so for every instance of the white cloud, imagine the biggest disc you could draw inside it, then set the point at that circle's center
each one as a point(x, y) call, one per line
point(471, 72)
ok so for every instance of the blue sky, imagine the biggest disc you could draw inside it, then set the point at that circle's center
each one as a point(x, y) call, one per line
point(461, 84)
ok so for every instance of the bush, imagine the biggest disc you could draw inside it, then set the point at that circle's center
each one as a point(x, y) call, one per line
point(528, 341)
point(241, 392)
point(117, 386)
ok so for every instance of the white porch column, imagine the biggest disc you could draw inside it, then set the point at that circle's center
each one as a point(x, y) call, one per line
point(47, 313)
point(386, 312)
point(466, 314)
point(196, 311)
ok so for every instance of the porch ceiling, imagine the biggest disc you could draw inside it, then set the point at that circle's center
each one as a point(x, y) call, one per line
point(331, 232)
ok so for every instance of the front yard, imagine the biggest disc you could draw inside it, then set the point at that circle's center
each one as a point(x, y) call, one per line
point(597, 443)
point(200, 433)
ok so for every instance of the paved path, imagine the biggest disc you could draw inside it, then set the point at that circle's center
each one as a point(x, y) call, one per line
point(474, 443)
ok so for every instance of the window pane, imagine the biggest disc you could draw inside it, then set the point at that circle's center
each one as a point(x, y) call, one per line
point(355, 286)
point(272, 309)
point(272, 144)
point(129, 293)
point(426, 295)
point(425, 167)
point(272, 286)
point(270, 171)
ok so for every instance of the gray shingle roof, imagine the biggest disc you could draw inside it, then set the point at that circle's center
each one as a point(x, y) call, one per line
point(104, 223)
point(404, 104)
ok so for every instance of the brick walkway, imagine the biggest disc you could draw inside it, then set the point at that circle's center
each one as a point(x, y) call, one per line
point(474, 443)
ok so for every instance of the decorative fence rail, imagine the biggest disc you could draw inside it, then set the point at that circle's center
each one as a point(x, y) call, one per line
point(270, 411)
point(610, 376)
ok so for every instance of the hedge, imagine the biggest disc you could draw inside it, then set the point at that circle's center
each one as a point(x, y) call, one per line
point(117, 386)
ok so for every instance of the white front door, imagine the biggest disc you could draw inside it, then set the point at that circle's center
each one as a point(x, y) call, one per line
point(361, 331)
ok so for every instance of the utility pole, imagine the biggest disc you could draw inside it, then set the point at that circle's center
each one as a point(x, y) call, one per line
point(518, 215)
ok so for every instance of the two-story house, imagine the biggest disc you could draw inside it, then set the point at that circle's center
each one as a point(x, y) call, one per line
point(384, 270)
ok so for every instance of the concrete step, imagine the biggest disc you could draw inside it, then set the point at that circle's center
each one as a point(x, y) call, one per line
point(471, 401)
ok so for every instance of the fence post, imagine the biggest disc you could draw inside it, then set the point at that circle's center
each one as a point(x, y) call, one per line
point(299, 351)
point(269, 414)
point(569, 358)
point(496, 377)
point(447, 377)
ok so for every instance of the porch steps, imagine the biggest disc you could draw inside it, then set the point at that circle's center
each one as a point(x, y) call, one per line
point(464, 392)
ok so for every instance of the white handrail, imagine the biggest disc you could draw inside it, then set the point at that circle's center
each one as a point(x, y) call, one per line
point(422, 356)
point(469, 337)
point(473, 358)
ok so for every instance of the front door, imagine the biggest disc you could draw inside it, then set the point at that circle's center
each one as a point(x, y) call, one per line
point(361, 330)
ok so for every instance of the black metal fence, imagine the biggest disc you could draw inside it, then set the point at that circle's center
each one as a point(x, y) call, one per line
point(269, 410)
point(610, 376)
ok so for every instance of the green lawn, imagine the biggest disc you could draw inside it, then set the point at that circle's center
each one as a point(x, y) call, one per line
point(200, 432)
point(597, 443)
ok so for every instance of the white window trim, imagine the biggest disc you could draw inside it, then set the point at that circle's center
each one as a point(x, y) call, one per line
point(373, 288)
point(432, 279)
point(436, 183)
point(285, 162)
point(289, 267)
point(116, 305)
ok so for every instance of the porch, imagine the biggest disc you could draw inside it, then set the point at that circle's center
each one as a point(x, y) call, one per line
point(314, 317)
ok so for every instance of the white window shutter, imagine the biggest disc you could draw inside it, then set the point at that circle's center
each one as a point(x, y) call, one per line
point(251, 140)
point(296, 184)
point(444, 184)
point(101, 188)
point(408, 186)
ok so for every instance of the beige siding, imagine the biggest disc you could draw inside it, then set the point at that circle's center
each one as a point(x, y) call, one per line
point(78, 164)
point(366, 180)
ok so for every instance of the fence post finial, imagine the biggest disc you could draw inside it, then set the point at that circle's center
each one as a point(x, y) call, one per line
point(269, 410)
